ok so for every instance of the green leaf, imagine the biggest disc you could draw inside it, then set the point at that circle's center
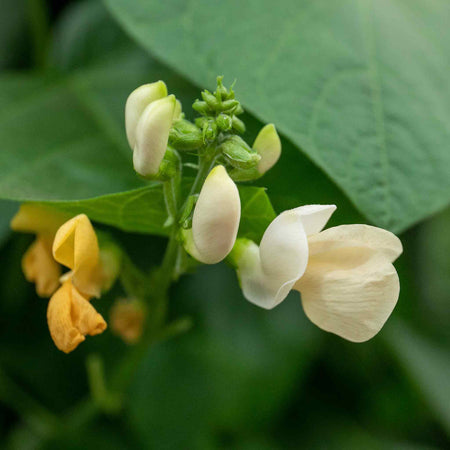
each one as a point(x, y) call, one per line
point(427, 365)
point(360, 86)
point(63, 135)
point(143, 210)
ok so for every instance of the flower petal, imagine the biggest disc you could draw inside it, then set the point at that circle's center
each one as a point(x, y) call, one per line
point(64, 334)
point(70, 317)
point(39, 267)
point(269, 274)
point(76, 247)
point(33, 218)
point(350, 286)
point(137, 101)
point(152, 135)
point(216, 217)
point(268, 145)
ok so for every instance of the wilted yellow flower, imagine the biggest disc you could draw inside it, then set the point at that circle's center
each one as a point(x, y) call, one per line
point(38, 264)
point(71, 317)
point(127, 319)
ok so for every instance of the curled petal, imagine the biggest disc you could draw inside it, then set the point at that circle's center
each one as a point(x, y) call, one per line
point(152, 135)
point(216, 217)
point(268, 146)
point(39, 267)
point(137, 101)
point(350, 286)
point(76, 247)
point(70, 317)
point(268, 274)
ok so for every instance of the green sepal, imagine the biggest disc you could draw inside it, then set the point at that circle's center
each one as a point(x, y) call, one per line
point(238, 153)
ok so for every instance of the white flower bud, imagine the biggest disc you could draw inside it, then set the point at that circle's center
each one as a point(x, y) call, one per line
point(152, 135)
point(216, 217)
point(177, 115)
point(268, 146)
point(137, 101)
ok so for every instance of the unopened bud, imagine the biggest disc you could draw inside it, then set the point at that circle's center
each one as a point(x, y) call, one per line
point(152, 135)
point(209, 131)
point(127, 318)
point(216, 217)
point(238, 153)
point(268, 146)
point(137, 101)
point(178, 113)
point(210, 99)
point(228, 105)
point(201, 107)
point(224, 122)
point(238, 125)
point(184, 135)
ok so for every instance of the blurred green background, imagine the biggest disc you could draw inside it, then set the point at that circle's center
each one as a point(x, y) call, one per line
point(242, 378)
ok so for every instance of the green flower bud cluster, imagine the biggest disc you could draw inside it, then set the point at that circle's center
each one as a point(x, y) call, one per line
point(219, 128)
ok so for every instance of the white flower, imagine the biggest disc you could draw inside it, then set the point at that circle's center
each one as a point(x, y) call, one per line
point(345, 275)
point(152, 135)
point(137, 101)
point(268, 145)
point(216, 218)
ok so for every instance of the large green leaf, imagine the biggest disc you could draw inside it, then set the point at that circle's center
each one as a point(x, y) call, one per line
point(143, 210)
point(361, 86)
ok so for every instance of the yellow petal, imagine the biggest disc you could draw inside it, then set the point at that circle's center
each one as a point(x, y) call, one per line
point(76, 247)
point(34, 218)
point(39, 267)
point(70, 317)
point(350, 286)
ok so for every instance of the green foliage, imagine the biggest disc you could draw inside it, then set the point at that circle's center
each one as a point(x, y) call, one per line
point(143, 210)
point(243, 378)
point(347, 82)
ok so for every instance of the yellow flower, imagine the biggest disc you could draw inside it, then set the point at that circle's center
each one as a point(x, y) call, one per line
point(76, 247)
point(39, 267)
point(38, 264)
point(127, 319)
point(70, 315)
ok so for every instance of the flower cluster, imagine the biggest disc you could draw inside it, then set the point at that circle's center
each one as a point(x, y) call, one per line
point(344, 274)
point(72, 243)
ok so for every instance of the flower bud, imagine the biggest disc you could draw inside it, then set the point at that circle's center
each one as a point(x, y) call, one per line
point(216, 217)
point(152, 135)
point(268, 146)
point(137, 101)
point(224, 122)
point(238, 125)
point(238, 153)
point(184, 135)
point(127, 319)
point(178, 113)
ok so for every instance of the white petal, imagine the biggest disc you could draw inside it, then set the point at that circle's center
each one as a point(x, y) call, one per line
point(137, 101)
point(350, 286)
point(152, 135)
point(268, 146)
point(268, 276)
point(358, 236)
point(314, 217)
point(216, 217)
